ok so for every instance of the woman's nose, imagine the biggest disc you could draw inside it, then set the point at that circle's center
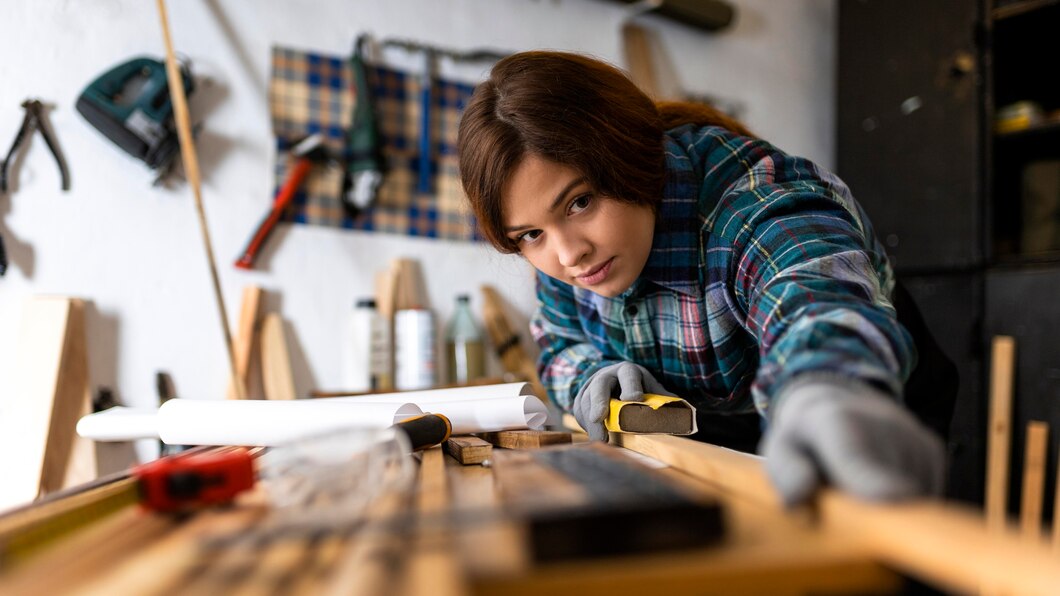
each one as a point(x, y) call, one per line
point(572, 249)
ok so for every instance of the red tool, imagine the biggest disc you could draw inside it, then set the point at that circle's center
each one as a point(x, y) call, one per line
point(195, 479)
point(307, 152)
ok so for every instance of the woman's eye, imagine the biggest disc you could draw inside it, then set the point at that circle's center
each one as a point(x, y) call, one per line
point(527, 236)
point(580, 204)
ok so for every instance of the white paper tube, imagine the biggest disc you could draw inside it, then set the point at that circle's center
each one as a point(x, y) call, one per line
point(120, 423)
point(269, 423)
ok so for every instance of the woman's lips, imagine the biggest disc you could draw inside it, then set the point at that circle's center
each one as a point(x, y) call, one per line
point(597, 275)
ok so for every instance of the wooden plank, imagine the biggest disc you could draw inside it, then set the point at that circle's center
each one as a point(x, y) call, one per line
point(468, 450)
point(999, 432)
point(945, 545)
point(275, 362)
point(525, 439)
point(506, 342)
point(638, 58)
point(433, 567)
point(1035, 447)
point(38, 417)
point(244, 340)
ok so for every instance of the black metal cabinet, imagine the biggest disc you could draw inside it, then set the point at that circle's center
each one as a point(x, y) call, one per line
point(909, 126)
point(951, 306)
point(1022, 303)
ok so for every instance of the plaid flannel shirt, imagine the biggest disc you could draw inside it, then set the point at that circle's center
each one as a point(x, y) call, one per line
point(762, 268)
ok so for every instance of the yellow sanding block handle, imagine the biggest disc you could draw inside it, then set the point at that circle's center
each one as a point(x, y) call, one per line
point(654, 402)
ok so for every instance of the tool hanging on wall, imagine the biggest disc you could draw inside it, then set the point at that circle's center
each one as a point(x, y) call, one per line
point(431, 54)
point(307, 152)
point(33, 120)
point(364, 161)
point(130, 104)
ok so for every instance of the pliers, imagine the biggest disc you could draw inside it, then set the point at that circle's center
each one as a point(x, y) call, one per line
point(34, 120)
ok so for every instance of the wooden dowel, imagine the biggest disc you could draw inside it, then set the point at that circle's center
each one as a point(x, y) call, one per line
point(191, 168)
point(1034, 455)
point(999, 432)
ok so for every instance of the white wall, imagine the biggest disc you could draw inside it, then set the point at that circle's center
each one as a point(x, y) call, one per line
point(135, 251)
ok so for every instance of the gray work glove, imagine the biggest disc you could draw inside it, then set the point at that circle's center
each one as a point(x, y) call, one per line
point(853, 437)
point(625, 381)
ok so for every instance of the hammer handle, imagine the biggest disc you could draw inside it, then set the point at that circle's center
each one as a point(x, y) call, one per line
point(283, 199)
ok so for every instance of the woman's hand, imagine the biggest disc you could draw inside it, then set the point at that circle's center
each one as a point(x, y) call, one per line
point(853, 437)
point(625, 381)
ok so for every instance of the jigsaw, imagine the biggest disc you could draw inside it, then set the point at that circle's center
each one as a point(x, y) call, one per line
point(130, 104)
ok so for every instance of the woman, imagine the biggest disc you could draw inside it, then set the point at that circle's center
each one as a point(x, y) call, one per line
point(678, 254)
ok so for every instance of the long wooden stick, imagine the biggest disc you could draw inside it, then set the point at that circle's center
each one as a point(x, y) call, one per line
point(191, 168)
point(1034, 455)
point(943, 544)
point(999, 433)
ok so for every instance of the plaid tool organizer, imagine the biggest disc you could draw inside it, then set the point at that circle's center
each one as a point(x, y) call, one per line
point(312, 93)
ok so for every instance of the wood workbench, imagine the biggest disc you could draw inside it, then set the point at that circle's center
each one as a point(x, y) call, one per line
point(455, 539)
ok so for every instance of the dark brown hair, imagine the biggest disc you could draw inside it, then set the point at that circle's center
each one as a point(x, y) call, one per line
point(573, 110)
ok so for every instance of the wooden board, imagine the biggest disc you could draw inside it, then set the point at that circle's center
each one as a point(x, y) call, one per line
point(38, 417)
point(525, 439)
point(276, 372)
point(943, 544)
point(468, 450)
point(244, 340)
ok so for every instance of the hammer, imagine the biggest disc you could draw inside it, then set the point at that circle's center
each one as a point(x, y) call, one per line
point(307, 152)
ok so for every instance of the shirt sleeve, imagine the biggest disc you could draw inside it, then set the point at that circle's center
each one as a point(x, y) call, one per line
point(812, 282)
point(568, 357)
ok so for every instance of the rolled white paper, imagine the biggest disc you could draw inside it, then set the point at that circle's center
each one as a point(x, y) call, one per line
point(270, 423)
point(120, 423)
point(496, 413)
point(473, 409)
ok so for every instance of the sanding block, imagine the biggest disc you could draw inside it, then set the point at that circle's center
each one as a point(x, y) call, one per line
point(658, 414)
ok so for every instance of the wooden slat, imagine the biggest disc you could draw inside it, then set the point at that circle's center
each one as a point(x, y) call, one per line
point(999, 432)
point(468, 450)
point(638, 59)
point(1033, 493)
point(505, 340)
point(276, 372)
point(244, 340)
point(943, 544)
point(525, 439)
point(38, 416)
point(434, 567)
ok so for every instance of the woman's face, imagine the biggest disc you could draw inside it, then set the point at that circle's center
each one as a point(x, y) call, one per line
point(573, 235)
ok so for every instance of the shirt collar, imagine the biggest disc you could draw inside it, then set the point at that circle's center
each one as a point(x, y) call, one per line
point(674, 259)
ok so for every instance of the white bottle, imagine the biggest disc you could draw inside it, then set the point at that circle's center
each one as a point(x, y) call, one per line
point(367, 362)
point(415, 357)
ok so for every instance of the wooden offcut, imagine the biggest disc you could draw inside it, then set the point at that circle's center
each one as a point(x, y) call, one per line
point(275, 361)
point(468, 450)
point(506, 342)
point(1034, 456)
point(999, 433)
point(38, 417)
point(525, 439)
point(244, 341)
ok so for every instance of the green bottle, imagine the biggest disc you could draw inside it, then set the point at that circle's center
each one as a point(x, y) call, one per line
point(464, 347)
